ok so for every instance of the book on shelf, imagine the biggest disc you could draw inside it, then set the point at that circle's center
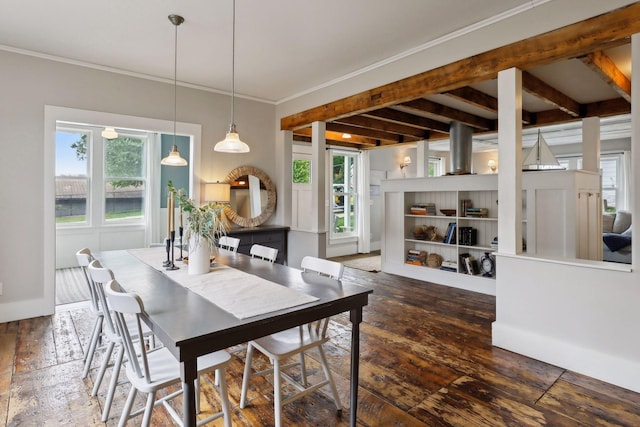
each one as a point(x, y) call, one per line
point(448, 269)
point(471, 265)
point(450, 235)
point(423, 209)
point(467, 236)
point(413, 262)
point(477, 212)
point(463, 262)
point(450, 264)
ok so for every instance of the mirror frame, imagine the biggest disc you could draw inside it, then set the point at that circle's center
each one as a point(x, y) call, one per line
point(271, 197)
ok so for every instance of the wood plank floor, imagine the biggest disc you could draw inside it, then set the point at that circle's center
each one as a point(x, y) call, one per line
point(426, 360)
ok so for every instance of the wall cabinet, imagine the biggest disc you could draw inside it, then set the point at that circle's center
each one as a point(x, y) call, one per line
point(551, 222)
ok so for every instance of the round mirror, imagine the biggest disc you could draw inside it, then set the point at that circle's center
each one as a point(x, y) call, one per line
point(253, 196)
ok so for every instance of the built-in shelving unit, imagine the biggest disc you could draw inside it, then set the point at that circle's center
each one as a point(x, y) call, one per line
point(553, 195)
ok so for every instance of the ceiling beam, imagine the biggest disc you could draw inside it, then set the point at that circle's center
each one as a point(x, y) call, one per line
point(385, 126)
point(337, 137)
point(550, 95)
point(481, 100)
point(611, 107)
point(603, 31)
point(449, 114)
point(609, 72)
point(368, 132)
point(409, 119)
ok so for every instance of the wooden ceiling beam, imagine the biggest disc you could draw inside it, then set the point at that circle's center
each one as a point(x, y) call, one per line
point(598, 33)
point(385, 126)
point(550, 95)
point(481, 100)
point(603, 65)
point(611, 107)
point(337, 137)
point(368, 132)
point(449, 114)
point(409, 119)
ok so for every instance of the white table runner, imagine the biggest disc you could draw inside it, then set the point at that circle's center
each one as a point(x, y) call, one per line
point(241, 294)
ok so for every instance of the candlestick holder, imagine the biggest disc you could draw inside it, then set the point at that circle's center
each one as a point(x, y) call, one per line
point(172, 266)
point(180, 231)
point(168, 248)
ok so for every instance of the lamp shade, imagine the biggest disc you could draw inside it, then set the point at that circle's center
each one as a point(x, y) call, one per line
point(174, 158)
point(406, 160)
point(109, 133)
point(217, 192)
point(231, 144)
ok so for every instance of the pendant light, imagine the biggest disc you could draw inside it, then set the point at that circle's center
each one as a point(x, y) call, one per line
point(174, 158)
point(232, 143)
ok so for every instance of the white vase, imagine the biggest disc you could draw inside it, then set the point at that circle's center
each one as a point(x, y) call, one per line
point(199, 256)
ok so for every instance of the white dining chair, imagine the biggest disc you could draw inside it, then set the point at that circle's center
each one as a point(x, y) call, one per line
point(150, 371)
point(84, 258)
point(281, 346)
point(264, 252)
point(100, 276)
point(229, 243)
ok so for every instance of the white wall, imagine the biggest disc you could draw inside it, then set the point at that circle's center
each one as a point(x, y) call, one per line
point(27, 85)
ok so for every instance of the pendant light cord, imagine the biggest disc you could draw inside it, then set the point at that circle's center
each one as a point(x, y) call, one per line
point(233, 69)
point(175, 81)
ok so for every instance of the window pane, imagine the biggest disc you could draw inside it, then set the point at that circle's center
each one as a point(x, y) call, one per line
point(124, 158)
point(344, 195)
point(72, 149)
point(124, 200)
point(301, 171)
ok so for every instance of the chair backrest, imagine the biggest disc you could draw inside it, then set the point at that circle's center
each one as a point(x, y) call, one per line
point(84, 258)
point(264, 252)
point(230, 243)
point(100, 276)
point(126, 305)
point(324, 267)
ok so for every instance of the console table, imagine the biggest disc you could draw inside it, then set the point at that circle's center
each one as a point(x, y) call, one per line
point(274, 236)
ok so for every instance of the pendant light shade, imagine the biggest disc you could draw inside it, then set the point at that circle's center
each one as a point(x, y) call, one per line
point(174, 158)
point(232, 143)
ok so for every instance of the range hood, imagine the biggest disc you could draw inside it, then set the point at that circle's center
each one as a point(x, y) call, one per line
point(460, 149)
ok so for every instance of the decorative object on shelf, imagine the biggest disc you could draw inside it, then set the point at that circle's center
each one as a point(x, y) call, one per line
point(174, 158)
point(540, 155)
point(419, 233)
point(204, 227)
point(448, 212)
point(406, 161)
point(232, 143)
point(492, 165)
point(434, 260)
point(488, 263)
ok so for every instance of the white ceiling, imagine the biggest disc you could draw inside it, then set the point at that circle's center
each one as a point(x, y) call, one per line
point(283, 47)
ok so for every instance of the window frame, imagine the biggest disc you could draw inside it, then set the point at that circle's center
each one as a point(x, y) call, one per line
point(346, 195)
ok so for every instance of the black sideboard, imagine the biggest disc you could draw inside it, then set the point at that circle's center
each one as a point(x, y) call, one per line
point(274, 236)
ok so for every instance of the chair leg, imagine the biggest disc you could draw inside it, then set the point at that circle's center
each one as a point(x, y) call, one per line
point(277, 393)
point(246, 375)
point(146, 418)
point(327, 374)
point(224, 396)
point(95, 335)
point(115, 374)
point(126, 411)
point(197, 394)
point(303, 369)
point(103, 368)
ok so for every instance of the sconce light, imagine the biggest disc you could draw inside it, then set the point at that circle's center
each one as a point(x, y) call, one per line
point(492, 165)
point(405, 162)
point(217, 192)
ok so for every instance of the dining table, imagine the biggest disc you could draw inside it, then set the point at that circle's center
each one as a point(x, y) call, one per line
point(237, 301)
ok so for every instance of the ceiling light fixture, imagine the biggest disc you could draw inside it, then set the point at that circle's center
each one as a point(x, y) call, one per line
point(232, 143)
point(109, 133)
point(174, 158)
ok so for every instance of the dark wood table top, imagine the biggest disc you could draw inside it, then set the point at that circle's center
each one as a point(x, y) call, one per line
point(190, 325)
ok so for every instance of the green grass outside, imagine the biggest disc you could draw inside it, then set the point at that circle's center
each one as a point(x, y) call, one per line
point(109, 217)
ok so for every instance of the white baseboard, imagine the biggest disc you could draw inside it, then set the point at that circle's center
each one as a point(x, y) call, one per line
point(602, 366)
point(13, 311)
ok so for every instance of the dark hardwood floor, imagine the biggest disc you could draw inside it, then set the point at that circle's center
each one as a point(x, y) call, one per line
point(426, 360)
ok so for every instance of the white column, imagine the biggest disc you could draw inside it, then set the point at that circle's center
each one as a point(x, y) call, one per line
point(284, 145)
point(634, 203)
point(422, 161)
point(591, 144)
point(510, 159)
point(318, 168)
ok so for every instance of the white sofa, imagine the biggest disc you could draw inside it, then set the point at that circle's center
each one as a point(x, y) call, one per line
point(616, 236)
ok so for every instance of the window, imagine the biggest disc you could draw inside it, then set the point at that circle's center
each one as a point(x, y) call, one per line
point(99, 181)
point(72, 178)
point(301, 171)
point(344, 194)
point(124, 179)
point(435, 166)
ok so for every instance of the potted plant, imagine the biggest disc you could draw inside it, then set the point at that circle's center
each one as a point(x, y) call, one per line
point(204, 226)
